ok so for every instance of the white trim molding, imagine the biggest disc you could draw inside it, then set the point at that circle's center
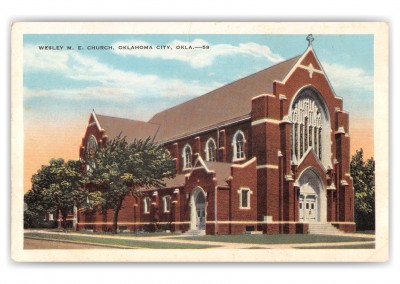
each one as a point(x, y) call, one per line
point(263, 95)
point(265, 120)
point(267, 166)
point(244, 164)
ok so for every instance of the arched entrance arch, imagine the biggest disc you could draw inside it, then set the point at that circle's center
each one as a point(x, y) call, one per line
point(198, 209)
point(312, 197)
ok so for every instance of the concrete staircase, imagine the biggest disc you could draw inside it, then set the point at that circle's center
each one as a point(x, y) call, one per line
point(194, 233)
point(323, 229)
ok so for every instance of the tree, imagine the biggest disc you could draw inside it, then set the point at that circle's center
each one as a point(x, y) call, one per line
point(34, 211)
point(363, 173)
point(58, 186)
point(119, 169)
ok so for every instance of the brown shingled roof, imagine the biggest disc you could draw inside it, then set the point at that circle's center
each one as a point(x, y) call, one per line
point(222, 171)
point(227, 103)
point(177, 181)
point(223, 104)
point(127, 127)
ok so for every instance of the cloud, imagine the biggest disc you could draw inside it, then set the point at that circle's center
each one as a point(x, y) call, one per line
point(110, 83)
point(197, 58)
point(346, 79)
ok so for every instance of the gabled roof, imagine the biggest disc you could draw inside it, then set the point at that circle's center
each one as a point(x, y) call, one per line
point(221, 105)
point(177, 181)
point(132, 129)
point(222, 171)
point(228, 103)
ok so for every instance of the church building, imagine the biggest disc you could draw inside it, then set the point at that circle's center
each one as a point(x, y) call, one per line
point(267, 153)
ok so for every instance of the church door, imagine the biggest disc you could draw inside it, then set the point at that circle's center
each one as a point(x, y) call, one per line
point(308, 208)
point(200, 211)
point(312, 200)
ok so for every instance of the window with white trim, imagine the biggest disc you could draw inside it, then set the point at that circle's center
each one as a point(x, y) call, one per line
point(146, 205)
point(187, 157)
point(310, 125)
point(210, 150)
point(244, 198)
point(167, 203)
point(238, 146)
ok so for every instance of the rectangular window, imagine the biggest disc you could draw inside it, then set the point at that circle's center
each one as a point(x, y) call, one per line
point(245, 198)
point(167, 203)
point(146, 205)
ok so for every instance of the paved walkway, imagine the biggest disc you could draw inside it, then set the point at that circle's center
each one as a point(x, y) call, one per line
point(222, 245)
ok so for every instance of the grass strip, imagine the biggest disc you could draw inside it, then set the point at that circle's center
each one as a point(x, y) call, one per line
point(277, 239)
point(118, 242)
point(128, 234)
point(78, 242)
point(358, 246)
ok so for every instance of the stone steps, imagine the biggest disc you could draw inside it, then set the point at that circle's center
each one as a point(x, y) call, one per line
point(194, 233)
point(323, 229)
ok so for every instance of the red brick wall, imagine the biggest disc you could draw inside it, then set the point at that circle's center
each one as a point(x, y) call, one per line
point(198, 144)
point(244, 177)
point(272, 183)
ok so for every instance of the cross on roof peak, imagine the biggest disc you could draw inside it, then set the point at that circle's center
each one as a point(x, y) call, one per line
point(310, 39)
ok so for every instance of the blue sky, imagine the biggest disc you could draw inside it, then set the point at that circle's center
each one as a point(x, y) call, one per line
point(62, 87)
point(137, 84)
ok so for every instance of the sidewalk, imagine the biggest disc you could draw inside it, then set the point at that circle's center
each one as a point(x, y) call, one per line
point(221, 245)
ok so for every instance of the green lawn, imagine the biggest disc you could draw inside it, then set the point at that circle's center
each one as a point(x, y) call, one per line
point(360, 246)
point(368, 232)
point(128, 234)
point(276, 239)
point(117, 242)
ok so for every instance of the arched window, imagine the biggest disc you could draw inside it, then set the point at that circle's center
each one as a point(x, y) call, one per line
point(210, 150)
point(238, 146)
point(187, 157)
point(146, 205)
point(167, 203)
point(310, 125)
point(91, 147)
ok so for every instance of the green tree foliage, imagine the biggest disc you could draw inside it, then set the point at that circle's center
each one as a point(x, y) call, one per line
point(56, 187)
point(363, 173)
point(119, 169)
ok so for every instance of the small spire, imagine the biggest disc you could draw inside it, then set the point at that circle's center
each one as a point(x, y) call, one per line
point(310, 39)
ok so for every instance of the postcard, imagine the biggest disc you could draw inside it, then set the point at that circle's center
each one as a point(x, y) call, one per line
point(200, 142)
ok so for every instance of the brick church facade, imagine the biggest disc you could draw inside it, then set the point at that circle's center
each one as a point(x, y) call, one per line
point(269, 152)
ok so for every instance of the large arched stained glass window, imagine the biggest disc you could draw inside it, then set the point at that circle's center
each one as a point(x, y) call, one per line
point(310, 126)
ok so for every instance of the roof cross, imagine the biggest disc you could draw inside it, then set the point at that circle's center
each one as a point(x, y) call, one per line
point(310, 39)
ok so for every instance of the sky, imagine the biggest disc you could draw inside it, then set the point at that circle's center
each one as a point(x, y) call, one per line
point(61, 87)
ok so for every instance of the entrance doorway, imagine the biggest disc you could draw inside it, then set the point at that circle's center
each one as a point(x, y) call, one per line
point(312, 197)
point(198, 210)
point(308, 208)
